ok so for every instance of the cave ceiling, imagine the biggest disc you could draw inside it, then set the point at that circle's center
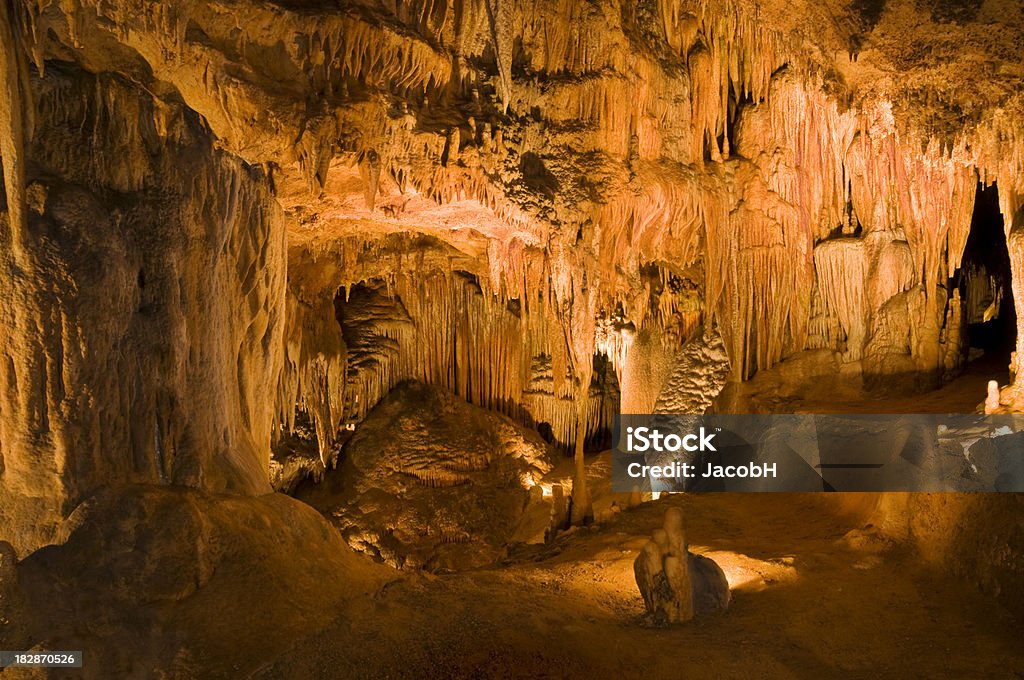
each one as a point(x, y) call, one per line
point(523, 122)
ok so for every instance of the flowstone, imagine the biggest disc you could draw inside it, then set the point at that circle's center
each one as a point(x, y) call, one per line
point(676, 584)
point(428, 481)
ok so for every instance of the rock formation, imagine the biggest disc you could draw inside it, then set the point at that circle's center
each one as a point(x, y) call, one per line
point(143, 320)
point(233, 228)
point(429, 481)
point(558, 178)
point(676, 584)
point(13, 615)
point(149, 576)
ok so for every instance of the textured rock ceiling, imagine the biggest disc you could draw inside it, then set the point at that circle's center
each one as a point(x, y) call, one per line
point(796, 175)
point(528, 108)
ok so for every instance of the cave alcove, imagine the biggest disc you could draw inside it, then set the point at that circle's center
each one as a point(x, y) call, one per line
point(984, 284)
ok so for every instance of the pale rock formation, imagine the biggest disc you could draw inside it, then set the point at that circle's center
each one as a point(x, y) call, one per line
point(1013, 394)
point(701, 370)
point(992, 397)
point(983, 294)
point(661, 377)
point(314, 375)
point(676, 584)
point(841, 267)
point(648, 363)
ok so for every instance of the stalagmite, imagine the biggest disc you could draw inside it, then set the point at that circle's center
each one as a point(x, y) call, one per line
point(676, 584)
point(992, 397)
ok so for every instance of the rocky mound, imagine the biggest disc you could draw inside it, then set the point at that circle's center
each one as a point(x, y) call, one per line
point(191, 583)
point(430, 481)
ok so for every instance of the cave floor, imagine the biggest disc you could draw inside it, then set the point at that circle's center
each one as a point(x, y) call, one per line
point(811, 599)
point(963, 394)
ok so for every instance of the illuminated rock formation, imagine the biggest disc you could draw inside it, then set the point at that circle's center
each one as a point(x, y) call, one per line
point(142, 321)
point(429, 481)
point(563, 151)
point(227, 221)
point(676, 584)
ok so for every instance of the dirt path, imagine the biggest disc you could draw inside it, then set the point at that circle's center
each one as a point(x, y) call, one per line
point(805, 605)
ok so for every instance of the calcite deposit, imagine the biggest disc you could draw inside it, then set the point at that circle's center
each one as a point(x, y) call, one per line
point(549, 179)
point(429, 481)
point(676, 584)
point(230, 230)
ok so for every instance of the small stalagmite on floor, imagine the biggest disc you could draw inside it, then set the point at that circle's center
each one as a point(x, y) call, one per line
point(676, 584)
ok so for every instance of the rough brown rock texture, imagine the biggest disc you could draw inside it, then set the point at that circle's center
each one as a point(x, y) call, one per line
point(431, 482)
point(193, 584)
point(978, 537)
point(142, 321)
point(13, 615)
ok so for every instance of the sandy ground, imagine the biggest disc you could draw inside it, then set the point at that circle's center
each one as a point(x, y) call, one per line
point(807, 604)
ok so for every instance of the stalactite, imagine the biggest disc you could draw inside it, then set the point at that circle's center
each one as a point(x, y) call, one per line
point(498, 16)
point(983, 293)
point(499, 351)
point(313, 378)
point(726, 151)
point(14, 126)
point(841, 267)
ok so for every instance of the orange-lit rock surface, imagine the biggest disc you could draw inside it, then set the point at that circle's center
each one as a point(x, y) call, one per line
point(229, 228)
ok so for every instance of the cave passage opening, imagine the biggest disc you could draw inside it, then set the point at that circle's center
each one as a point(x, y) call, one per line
point(990, 317)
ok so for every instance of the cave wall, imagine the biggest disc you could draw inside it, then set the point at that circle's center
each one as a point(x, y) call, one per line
point(978, 537)
point(142, 319)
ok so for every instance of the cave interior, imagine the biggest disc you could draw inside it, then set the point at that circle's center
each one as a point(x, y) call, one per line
point(318, 318)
